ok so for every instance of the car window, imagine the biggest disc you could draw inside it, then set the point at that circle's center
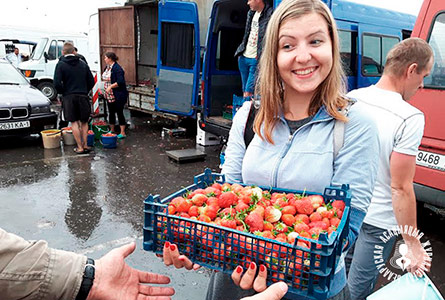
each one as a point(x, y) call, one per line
point(10, 75)
point(39, 49)
point(437, 42)
point(52, 51)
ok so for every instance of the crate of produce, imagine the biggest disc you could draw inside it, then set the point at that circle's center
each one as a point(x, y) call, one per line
point(221, 225)
point(237, 102)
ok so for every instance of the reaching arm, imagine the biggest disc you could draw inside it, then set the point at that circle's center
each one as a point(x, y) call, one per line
point(402, 168)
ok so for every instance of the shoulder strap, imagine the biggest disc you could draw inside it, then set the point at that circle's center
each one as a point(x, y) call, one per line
point(248, 130)
point(339, 130)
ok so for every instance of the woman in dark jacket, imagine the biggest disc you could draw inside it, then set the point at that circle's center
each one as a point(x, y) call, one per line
point(115, 91)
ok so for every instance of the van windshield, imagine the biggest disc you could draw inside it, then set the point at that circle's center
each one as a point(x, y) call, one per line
point(38, 51)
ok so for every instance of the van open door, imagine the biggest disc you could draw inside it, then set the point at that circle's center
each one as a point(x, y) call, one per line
point(178, 64)
point(116, 34)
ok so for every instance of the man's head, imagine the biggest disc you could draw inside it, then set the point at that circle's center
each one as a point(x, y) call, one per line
point(409, 62)
point(16, 51)
point(68, 48)
point(256, 5)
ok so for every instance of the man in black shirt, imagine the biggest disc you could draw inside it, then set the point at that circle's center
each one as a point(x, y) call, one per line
point(73, 79)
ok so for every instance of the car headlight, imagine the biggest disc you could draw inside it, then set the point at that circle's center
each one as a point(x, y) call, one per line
point(40, 109)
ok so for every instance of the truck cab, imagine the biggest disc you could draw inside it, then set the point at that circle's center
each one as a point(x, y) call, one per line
point(41, 64)
point(429, 180)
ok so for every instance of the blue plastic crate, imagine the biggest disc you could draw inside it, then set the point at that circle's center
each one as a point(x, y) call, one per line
point(237, 102)
point(307, 271)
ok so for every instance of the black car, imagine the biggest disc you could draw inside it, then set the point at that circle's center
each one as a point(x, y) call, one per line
point(23, 108)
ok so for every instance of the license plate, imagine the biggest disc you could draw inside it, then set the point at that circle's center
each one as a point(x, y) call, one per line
point(431, 160)
point(14, 125)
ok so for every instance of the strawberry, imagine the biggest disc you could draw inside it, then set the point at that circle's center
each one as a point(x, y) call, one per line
point(268, 234)
point(338, 204)
point(316, 200)
point(199, 199)
point(291, 237)
point(267, 226)
point(319, 224)
point(227, 199)
point(211, 191)
point(326, 221)
point(217, 186)
point(228, 223)
point(304, 206)
point(171, 209)
point(331, 229)
point(315, 217)
point(255, 222)
point(337, 212)
point(327, 213)
point(315, 232)
point(272, 214)
point(281, 227)
point(209, 211)
point(301, 226)
point(288, 219)
point(302, 218)
point(226, 187)
point(237, 187)
point(193, 211)
point(241, 206)
point(259, 210)
point(183, 206)
point(335, 222)
point(195, 192)
point(289, 209)
point(213, 201)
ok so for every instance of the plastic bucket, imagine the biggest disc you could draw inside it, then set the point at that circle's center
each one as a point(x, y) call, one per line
point(68, 136)
point(90, 140)
point(99, 130)
point(51, 138)
point(109, 142)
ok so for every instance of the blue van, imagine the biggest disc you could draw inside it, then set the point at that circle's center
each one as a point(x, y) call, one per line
point(178, 56)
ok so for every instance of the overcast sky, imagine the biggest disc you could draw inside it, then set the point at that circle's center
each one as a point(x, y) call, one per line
point(74, 15)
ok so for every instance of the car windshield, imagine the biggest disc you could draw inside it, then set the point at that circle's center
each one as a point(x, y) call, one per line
point(10, 75)
point(38, 51)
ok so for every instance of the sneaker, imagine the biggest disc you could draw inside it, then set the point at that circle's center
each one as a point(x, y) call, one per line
point(121, 136)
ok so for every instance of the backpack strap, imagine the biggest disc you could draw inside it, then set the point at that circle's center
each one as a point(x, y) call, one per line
point(248, 129)
point(339, 129)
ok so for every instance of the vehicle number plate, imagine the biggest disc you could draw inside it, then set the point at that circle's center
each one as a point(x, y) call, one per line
point(431, 160)
point(14, 125)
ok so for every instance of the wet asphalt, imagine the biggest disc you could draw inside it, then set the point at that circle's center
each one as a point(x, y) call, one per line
point(92, 203)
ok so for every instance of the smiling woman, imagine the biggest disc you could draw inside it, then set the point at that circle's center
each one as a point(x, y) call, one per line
point(23, 109)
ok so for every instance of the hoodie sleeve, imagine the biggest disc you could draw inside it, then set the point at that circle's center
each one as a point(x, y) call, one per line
point(90, 79)
point(58, 83)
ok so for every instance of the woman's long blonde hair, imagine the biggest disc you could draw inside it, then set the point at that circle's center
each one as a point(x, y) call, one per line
point(331, 91)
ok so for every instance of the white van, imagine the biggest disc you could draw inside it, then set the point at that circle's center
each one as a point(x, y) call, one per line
point(42, 62)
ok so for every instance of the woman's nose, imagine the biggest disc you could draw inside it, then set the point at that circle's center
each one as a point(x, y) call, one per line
point(303, 55)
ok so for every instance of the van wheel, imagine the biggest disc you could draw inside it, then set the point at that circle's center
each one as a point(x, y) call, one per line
point(48, 89)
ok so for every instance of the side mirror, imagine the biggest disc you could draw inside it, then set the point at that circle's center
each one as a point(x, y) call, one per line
point(46, 56)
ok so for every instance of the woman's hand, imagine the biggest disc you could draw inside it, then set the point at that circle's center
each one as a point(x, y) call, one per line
point(275, 292)
point(248, 280)
point(109, 89)
point(172, 257)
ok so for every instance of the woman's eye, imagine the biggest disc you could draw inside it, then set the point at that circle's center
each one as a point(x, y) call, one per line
point(286, 46)
point(316, 42)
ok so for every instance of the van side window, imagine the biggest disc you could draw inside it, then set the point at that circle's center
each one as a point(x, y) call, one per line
point(348, 51)
point(375, 49)
point(437, 42)
point(52, 51)
point(177, 45)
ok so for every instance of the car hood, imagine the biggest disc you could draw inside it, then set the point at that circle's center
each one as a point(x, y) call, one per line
point(21, 95)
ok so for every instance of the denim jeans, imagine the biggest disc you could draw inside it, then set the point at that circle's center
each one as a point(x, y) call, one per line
point(363, 272)
point(247, 68)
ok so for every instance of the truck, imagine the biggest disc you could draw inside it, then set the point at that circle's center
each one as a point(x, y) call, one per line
point(163, 44)
point(39, 68)
point(429, 180)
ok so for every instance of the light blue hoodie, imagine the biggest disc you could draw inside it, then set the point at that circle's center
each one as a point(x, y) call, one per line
point(305, 160)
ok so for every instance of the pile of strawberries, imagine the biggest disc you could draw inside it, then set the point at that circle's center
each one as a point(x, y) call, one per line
point(100, 123)
point(279, 216)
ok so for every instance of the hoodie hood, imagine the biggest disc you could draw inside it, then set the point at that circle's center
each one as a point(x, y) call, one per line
point(70, 59)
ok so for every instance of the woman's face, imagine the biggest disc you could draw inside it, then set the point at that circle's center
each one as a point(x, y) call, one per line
point(107, 60)
point(304, 53)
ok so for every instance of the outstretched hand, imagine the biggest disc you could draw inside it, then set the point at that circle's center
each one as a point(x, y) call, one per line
point(172, 257)
point(114, 279)
point(248, 280)
point(275, 292)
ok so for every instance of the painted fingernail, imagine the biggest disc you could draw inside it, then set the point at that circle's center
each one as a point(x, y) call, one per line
point(172, 247)
point(167, 244)
point(262, 268)
point(252, 265)
point(239, 269)
point(182, 258)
